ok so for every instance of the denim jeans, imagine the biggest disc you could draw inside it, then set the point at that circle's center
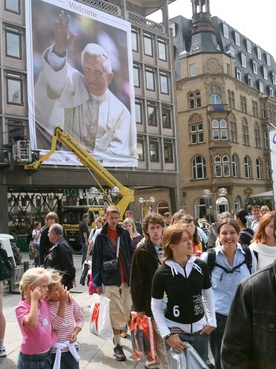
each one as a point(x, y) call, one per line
point(216, 339)
point(199, 343)
point(42, 361)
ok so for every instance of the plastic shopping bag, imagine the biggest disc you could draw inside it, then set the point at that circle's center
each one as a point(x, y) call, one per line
point(100, 324)
point(187, 359)
point(85, 268)
point(143, 337)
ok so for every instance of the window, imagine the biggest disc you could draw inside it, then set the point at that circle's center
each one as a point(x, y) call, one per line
point(222, 166)
point(226, 166)
point(199, 167)
point(173, 28)
point(219, 129)
point(268, 62)
point(13, 42)
point(164, 83)
point(235, 171)
point(255, 67)
point(192, 68)
point(247, 167)
point(237, 38)
point(255, 108)
point(162, 50)
point(245, 134)
point(233, 131)
point(243, 104)
point(268, 171)
point(138, 111)
point(266, 140)
point(134, 40)
point(136, 75)
point(271, 92)
point(217, 165)
point(261, 86)
point(14, 88)
point(259, 53)
point(215, 95)
point(12, 5)
point(248, 46)
point(148, 45)
point(168, 152)
point(152, 115)
point(257, 135)
point(140, 149)
point(238, 74)
point(166, 117)
point(273, 75)
point(196, 133)
point(259, 169)
point(265, 73)
point(231, 99)
point(243, 60)
point(225, 31)
point(194, 100)
point(154, 151)
point(150, 85)
point(249, 80)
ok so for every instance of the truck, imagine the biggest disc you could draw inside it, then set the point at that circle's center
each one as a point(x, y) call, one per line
point(97, 198)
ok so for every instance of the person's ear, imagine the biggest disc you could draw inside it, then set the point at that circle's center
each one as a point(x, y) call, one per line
point(110, 77)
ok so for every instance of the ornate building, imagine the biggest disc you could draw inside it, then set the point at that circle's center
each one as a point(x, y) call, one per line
point(226, 88)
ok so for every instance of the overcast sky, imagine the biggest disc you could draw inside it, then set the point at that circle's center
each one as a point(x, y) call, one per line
point(254, 19)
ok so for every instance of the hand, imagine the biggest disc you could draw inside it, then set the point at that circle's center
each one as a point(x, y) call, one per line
point(99, 290)
point(140, 314)
point(73, 337)
point(208, 329)
point(63, 39)
point(35, 294)
point(175, 343)
point(63, 294)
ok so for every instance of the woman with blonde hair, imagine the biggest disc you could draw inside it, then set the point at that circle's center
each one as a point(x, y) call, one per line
point(264, 242)
point(190, 315)
point(129, 224)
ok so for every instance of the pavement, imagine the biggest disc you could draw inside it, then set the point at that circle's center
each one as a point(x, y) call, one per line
point(95, 352)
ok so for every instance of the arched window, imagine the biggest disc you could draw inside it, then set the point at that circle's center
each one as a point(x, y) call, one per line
point(257, 135)
point(268, 171)
point(215, 95)
point(238, 203)
point(247, 167)
point(226, 166)
point(245, 133)
point(199, 167)
point(218, 166)
point(194, 100)
point(235, 166)
point(259, 169)
point(219, 129)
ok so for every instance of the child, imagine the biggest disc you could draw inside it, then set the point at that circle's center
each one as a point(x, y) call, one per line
point(67, 323)
point(34, 320)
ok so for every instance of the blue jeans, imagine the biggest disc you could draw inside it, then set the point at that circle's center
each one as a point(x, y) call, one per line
point(84, 252)
point(199, 343)
point(216, 339)
point(42, 361)
point(67, 361)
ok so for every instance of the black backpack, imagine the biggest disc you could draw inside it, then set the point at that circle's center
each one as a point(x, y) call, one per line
point(211, 261)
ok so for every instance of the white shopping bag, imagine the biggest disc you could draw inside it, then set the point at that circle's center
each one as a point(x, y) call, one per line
point(100, 324)
point(187, 359)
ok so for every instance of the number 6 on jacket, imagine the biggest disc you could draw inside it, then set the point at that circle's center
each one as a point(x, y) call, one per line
point(100, 324)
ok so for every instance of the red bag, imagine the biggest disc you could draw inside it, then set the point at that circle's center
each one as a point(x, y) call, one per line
point(143, 337)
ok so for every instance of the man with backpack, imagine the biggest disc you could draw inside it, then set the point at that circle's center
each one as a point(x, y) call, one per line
point(229, 263)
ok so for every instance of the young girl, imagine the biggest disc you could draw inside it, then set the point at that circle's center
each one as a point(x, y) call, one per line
point(67, 322)
point(34, 320)
point(190, 313)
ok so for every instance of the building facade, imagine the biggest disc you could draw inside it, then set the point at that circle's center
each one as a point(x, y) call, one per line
point(26, 196)
point(226, 90)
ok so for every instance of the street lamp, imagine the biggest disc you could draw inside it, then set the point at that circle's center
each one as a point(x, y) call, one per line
point(207, 194)
point(149, 203)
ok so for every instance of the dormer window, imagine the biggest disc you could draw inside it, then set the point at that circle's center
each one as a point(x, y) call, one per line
point(271, 92)
point(268, 59)
point(259, 53)
point(255, 67)
point(248, 46)
point(265, 73)
point(243, 60)
point(273, 76)
point(261, 86)
point(237, 38)
point(249, 80)
point(238, 74)
point(225, 31)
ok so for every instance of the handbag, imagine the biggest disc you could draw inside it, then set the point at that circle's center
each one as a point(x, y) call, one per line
point(100, 324)
point(32, 250)
point(5, 265)
point(187, 359)
point(111, 266)
point(85, 268)
point(143, 337)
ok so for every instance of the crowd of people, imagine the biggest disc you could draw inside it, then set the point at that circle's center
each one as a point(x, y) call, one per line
point(227, 288)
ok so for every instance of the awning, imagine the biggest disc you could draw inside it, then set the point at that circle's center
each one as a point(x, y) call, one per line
point(263, 195)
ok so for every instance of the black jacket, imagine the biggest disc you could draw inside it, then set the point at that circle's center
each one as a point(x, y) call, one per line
point(144, 264)
point(103, 251)
point(250, 336)
point(60, 258)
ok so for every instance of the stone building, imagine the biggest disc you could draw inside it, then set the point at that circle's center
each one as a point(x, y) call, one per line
point(226, 88)
point(26, 196)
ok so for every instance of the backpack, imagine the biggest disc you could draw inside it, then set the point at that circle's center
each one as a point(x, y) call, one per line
point(211, 261)
point(5, 265)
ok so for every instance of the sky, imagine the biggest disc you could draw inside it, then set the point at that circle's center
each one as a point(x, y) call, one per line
point(253, 19)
